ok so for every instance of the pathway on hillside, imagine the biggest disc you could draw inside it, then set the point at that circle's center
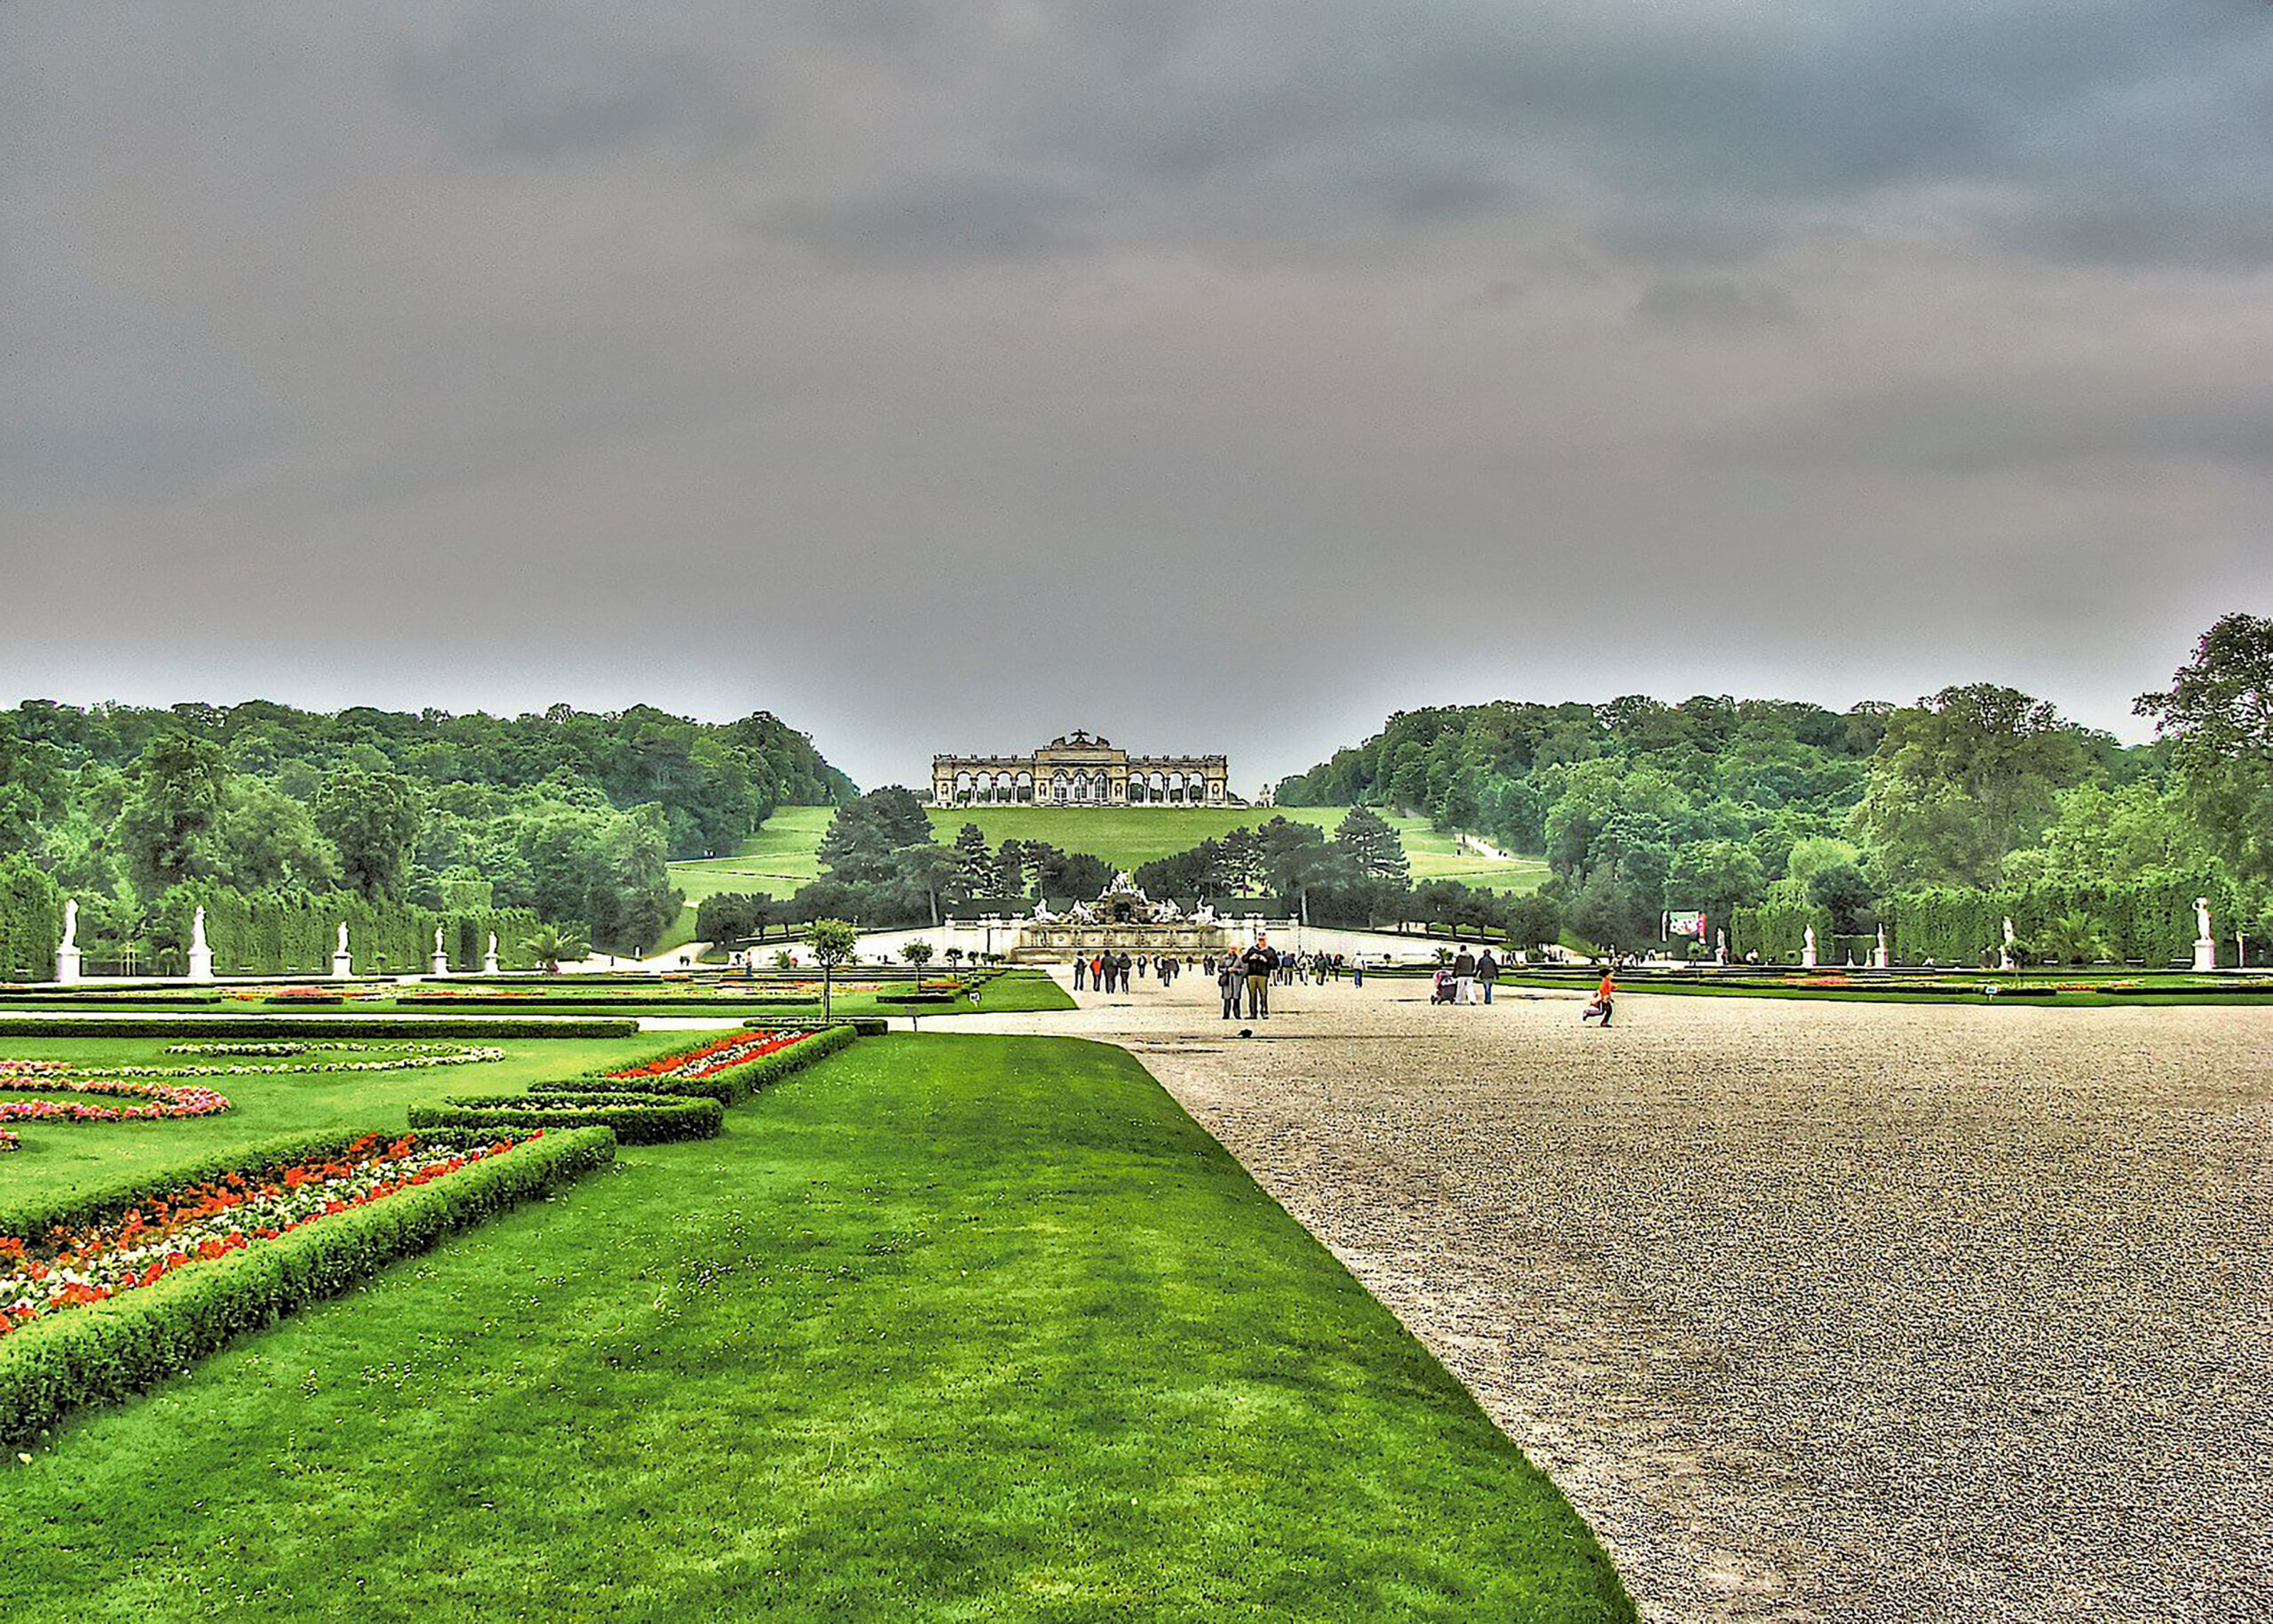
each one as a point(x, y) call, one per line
point(1815, 1311)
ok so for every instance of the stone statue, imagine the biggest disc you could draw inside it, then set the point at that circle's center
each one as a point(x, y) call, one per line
point(1204, 914)
point(2206, 945)
point(2202, 920)
point(1720, 947)
point(1879, 959)
point(197, 931)
point(1807, 949)
point(343, 937)
point(70, 924)
point(1041, 914)
point(493, 944)
point(2009, 937)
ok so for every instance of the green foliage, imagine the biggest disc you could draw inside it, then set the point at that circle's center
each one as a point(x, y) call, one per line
point(1777, 931)
point(2219, 715)
point(831, 942)
point(31, 921)
point(106, 1350)
point(1962, 780)
point(168, 829)
point(373, 819)
point(1372, 847)
point(270, 933)
point(918, 953)
point(635, 1117)
point(2150, 918)
point(549, 945)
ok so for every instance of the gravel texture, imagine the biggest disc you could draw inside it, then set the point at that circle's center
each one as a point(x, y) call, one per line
point(1816, 1310)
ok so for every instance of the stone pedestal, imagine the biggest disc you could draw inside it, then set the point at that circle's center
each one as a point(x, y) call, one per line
point(2206, 953)
point(439, 965)
point(1807, 957)
point(342, 967)
point(67, 965)
point(489, 962)
point(201, 963)
point(1878, 957)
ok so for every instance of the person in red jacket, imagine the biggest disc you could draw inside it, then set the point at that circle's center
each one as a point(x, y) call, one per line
point(1603, 996)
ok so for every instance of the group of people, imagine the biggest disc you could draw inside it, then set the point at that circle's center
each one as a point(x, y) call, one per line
point(1470, 977)
point(1111, 972)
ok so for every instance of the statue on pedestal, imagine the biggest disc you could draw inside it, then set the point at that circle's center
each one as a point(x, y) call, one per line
point(1807, 949)
point(201, 957)
point(1879, 960)
point(489, 959)
point(439, 964)
point(2206, 945)
point(342, 968)
point(66, 956)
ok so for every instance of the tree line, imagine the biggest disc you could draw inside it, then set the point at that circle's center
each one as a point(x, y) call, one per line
point(569, 814)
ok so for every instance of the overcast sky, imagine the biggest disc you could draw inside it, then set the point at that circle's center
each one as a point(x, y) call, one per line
point(1215, 375)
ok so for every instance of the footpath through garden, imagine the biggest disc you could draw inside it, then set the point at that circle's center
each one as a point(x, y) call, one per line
point(1813, 1310)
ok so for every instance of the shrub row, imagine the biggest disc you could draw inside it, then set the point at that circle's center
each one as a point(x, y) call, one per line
point(859, 1026)
point(316, 1026)
point(107, 1349)
point(28, 998)
point(731, 1086)
point(480, 1003)
point(636, 1118)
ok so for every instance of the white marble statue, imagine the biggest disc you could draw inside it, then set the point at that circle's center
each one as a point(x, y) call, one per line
point(2202, 920)
point(1720, 947)
point(1879, 959)
point(2206, 945)
point(342, 948)
point(1041, 914)
point(493, 945)
point(1084, 914)
point(70, 924)
point(1204, 914)
point(438, 941)
point(197, 931)
point(2009, 937)
point(1806, 950)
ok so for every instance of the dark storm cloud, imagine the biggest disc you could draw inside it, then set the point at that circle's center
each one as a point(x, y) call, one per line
point(987, 369)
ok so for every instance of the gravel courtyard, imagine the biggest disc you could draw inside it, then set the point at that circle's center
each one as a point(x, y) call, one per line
point(1816, 1310)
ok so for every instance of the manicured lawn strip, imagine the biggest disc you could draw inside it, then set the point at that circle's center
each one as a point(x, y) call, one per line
point(2021, 995)
point(358, 1026)
point(947, 1329)
point(106, 1350)
point(59, 1158)
point(635, 1119)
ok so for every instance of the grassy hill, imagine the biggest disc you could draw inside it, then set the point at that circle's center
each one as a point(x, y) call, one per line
point(781, 857)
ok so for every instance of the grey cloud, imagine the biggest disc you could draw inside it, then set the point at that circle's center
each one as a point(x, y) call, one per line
point(919, 221)
point(1717, 305)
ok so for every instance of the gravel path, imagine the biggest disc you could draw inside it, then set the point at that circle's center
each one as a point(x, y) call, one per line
point(1816, 1310)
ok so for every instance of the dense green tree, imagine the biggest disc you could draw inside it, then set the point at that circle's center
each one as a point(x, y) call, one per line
point(1960, 780)
point(372, 819)
point(1715, 877)
point(974, 863)
point(269, 841)
point(1842, 891)
point(168, 829)
point(2218, 714)
point(831, 942)
point(1372, 844)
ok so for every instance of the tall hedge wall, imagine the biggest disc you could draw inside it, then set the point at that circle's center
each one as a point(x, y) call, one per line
point(274, 933)
point(31, 921)
point(2149, 919)
point(1777, 930)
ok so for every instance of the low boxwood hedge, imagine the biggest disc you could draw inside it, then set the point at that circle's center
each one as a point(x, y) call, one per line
point(318, 1026)
point(637, 1118)
point(859, 1026)
point(105, 1350)
point(729, 1087)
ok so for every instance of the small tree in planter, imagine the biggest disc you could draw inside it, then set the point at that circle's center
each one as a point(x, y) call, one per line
point(832, 941)
point(917, 953)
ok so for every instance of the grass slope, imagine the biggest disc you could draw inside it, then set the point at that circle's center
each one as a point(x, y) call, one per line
point(780, 856)
point(947, 1328)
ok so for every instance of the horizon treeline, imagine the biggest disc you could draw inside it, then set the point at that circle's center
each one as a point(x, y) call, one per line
point(1718, 803)
point(570, 814)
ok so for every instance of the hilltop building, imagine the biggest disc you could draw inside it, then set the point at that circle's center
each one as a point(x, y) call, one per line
point(1080, 769)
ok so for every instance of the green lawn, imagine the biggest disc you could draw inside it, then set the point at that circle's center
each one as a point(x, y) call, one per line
point(944, 1329)
point(780, 856)
point(73, 1154)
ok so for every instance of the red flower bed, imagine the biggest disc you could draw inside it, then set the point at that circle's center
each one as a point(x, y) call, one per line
point(709, 1059)
point(211, 1220)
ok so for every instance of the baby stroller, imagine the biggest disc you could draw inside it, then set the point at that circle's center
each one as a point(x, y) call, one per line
point(1445, 989)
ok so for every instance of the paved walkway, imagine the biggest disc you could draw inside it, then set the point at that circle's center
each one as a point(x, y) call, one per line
point(1816, 1310)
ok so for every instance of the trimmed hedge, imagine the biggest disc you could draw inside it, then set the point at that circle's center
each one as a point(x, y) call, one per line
point(107, 1349)
point(859, 1026)
point(28, 998)
point(317, 1026)
point(731, 1086)
point(638, 1118)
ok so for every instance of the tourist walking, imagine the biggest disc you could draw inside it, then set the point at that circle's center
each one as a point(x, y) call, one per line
point(1488, 972)
point(1096, 972)
point(1125, 966)
point(1228, 974)
point(1463, 976)
point(1260, 962)
point(1080, 971)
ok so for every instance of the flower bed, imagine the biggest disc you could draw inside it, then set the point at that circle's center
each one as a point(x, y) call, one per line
point(143, 1101)
point(356, 1206)
point(709, 1059)
point(201, 1222)
point(727, 1069)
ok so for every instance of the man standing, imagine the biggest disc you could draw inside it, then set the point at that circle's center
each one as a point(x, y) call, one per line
point(1463, 976)
point(1080, 971)
point(1228, 974)
point(1125, 965)
point(1488, 972)
point(1259, 960)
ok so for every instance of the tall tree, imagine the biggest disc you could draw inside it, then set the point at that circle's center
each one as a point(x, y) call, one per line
point(976, 862)
point(2219, 711)
point(1963, 779)
point(1373, 844)
point(168, 828)
point(372, 818)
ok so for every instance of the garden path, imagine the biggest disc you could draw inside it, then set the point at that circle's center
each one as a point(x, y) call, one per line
point(1816, 1310)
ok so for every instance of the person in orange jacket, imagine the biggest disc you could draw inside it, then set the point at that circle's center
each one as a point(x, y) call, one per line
point(1603, 996)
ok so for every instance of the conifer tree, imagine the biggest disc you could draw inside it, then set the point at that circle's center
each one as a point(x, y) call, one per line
point(1370, 841)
